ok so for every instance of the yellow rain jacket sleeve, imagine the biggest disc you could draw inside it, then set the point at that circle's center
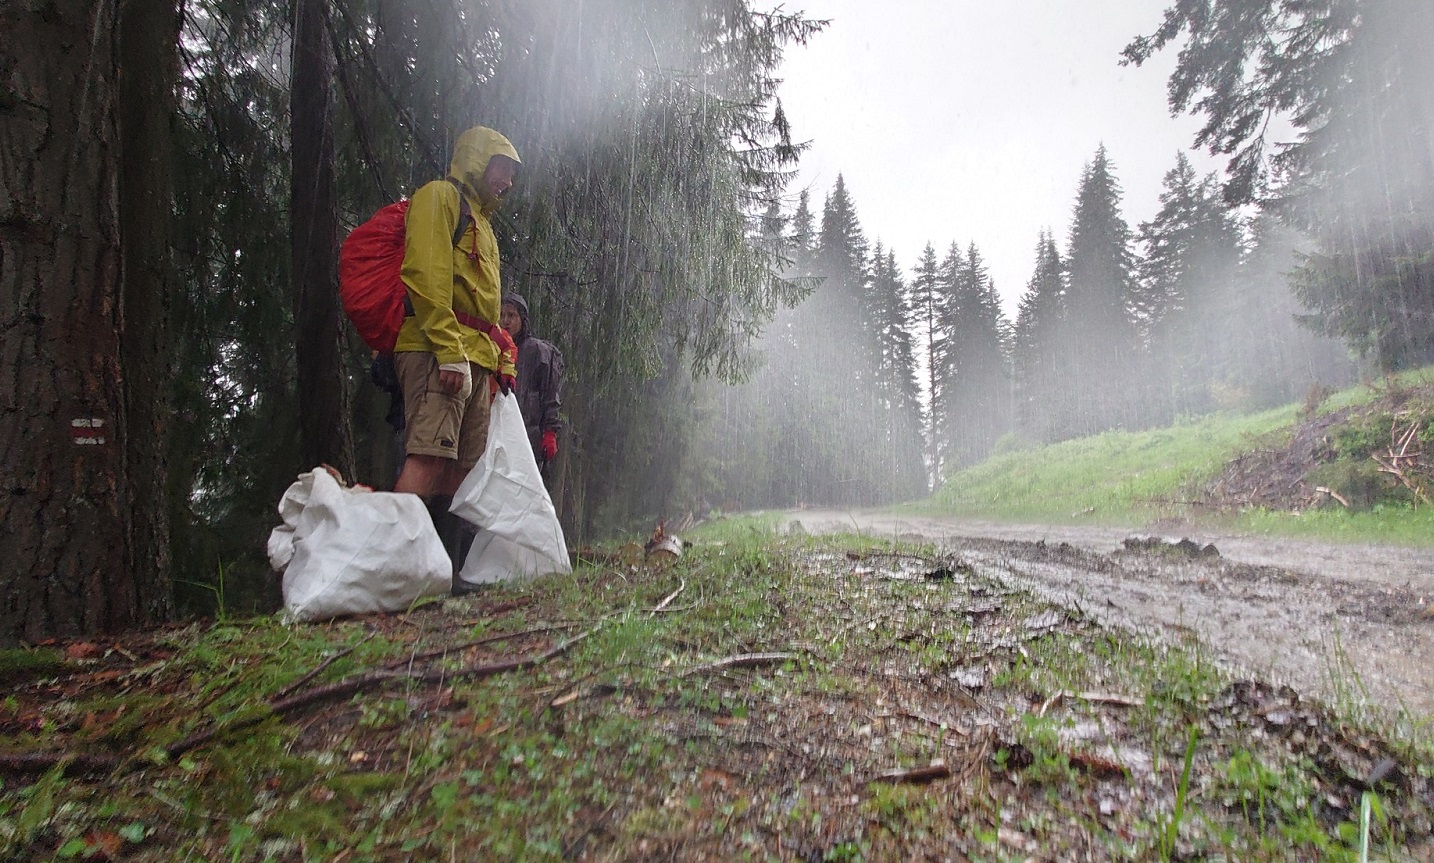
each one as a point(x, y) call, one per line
point(442, 277)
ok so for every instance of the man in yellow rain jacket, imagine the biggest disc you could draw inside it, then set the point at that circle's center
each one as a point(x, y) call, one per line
point(449, 348)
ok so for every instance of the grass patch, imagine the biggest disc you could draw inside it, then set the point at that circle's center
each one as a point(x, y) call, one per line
point(1108, 478)
point(1133, 478)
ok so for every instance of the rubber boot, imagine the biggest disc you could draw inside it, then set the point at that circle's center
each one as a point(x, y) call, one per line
point(445, 524)
point(457, 536)
point(466, 532)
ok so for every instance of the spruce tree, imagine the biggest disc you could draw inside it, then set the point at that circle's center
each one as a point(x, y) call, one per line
point(899, 402)
point(926, 322)
point(1186, 294)
point(1273, 357)
point(1098, 320)
point(1353, 77)
point(975, 386)
point(1040, 351)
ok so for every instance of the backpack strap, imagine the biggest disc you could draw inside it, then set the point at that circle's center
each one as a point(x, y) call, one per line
point(465, 221)
point(465, 214)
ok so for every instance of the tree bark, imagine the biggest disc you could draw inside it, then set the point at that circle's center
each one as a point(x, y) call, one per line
point(325, 436)
point(149, 70)
point(65, 545)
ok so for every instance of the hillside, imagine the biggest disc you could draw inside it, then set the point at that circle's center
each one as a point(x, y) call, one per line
point(1352, 465)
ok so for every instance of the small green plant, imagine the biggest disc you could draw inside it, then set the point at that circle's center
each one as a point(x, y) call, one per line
point(1050, 762)
point(221, 608)
point(1171, 830)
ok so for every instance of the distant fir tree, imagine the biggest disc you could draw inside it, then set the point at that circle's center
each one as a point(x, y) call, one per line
point(896, 388)
point(841, 258)
point(803, 231)
point(927, 299)
point(945, 424)
point(1185, 299)
point(1353, 76)
point(843, 349)
point(1098, 320)
point(1273, 358)
point(975, 384)
point(1041, 347)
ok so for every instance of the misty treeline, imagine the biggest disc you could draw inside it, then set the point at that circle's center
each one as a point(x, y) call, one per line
point(886, 377)
point(177, 178)
point(1312, 255)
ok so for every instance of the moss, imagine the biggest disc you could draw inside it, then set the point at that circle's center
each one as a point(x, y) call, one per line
point(19, 665)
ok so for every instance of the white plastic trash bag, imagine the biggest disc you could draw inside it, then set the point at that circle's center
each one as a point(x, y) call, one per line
point(354, 551)
point(519, 535)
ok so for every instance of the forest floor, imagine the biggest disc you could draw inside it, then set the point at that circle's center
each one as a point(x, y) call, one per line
point(766, 696)
point(819, 686)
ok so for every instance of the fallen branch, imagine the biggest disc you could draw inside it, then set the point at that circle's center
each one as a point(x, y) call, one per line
point(945, 725)
point(36, 762)
point(743, 660)
point(671, 596)
point(1332, 493)
point(1094, 697)
point(371, 680)
point(895, 555)
point(477, 642)
point(319, 669)
point(914, 776)
point(39, 762)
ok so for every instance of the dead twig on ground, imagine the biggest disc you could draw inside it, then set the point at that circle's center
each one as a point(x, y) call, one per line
point(1094, 697)
point(671, 596)
point(943, 724)
point(743, 660)
point(1319, 489)
point(319, 669)
point(35, 762)
point(454, 648)
point(915, 775)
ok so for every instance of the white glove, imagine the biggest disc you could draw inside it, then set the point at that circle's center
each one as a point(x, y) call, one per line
point(464, 369)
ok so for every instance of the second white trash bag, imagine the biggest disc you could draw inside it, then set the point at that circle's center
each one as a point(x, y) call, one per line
point(354, 551)
point(519, 535)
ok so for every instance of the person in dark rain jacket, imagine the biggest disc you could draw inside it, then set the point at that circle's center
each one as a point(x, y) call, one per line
point(540, 381)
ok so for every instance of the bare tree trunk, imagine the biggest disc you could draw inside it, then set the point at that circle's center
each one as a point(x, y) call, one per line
point(65, 544)
point(149, 36)
point(325, 436)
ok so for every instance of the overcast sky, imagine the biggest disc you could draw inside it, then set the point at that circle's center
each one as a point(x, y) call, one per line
point(970, 120)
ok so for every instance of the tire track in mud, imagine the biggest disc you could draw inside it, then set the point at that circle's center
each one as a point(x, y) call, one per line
point(1351, 625)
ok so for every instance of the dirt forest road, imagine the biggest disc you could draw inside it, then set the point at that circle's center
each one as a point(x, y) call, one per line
point(1338, 623)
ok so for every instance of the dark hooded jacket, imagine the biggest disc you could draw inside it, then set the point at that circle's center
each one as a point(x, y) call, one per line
point(540, 379)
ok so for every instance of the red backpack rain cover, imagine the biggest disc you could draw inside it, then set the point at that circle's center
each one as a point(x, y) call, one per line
point(370, 282)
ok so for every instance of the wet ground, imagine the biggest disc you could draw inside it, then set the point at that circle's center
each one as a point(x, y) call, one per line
point(1349, 624)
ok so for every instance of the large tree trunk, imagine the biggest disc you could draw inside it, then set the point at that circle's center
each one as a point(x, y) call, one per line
point(65, 543)
point(325, 437)
point(149, 58)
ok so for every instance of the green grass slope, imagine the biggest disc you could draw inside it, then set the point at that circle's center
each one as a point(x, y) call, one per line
point(1140, 478)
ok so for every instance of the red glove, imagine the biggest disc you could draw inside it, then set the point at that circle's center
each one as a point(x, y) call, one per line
point(550, 445)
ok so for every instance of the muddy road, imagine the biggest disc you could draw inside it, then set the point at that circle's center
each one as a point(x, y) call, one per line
point(1351, 625)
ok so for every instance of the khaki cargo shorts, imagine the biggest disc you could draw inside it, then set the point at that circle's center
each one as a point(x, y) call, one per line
point(439, 424)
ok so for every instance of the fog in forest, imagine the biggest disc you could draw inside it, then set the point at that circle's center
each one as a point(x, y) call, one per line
point(836, 291)
point(1296, 258)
